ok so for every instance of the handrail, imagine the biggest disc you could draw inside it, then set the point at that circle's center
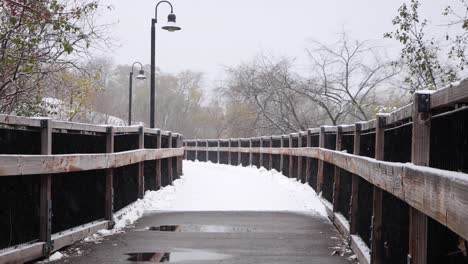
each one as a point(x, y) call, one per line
point(15, 165)
point(406, 181)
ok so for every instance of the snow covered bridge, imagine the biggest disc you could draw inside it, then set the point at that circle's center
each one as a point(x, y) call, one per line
point(394, 189)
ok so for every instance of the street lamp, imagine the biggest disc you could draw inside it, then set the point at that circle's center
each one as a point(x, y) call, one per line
point(140, 76)
point(171, 26)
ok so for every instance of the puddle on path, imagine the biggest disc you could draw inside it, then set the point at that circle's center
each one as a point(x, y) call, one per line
point(176, 256)
point(205, 228)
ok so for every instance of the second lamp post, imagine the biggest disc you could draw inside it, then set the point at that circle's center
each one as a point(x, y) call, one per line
point(171, 27)
point(140, 76)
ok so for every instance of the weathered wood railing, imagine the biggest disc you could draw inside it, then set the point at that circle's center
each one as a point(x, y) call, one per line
point(62, 181)
point(395, 186)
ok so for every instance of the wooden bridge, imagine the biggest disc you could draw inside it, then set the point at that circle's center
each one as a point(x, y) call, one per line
point(396, 187)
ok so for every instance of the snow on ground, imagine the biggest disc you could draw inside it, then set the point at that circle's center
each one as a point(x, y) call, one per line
point(217, 187)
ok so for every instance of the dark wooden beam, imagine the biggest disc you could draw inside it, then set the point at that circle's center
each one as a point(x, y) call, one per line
point(109, 199)
point(353, 223)
point(377, 248)
point(420, 150)
point(45, 207)
point(141, 165)
point(320, 162)
point(337, 176)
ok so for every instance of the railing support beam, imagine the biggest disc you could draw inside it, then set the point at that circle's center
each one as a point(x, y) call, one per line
point(420, 150)
point(45, 209)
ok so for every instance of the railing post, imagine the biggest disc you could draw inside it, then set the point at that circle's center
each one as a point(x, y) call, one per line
point(109, 199)
point(281, 155)
point(218, 158)
point(239, 156)
point(196, 149)
point(159, 161)
point(260, 156)
point(337, 176)
point(308, 160)
point(377, 198)
point(355, 183)
point(250, 152)
point(320, 162)
point(169, 161)
point(180, 140)
point(229, 152)
point(185, 152)
point(141, 165)
point(299, 158)
point(45, 214)
point(420, 150)
point(291, 157)
point(270, 156)
point(207, 158)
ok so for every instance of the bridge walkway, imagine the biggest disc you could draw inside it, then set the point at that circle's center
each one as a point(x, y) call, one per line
point(219, 237)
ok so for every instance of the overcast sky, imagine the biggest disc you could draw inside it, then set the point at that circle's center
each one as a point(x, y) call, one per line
point(217, 33)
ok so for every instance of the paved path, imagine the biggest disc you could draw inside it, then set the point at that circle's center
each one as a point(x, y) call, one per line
point(218, 237)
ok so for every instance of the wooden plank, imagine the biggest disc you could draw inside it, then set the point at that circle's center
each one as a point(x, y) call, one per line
point(239, 157)
point(377, 249)
point(354, 207)
point(320, 162)
point(330, 129)
point(229, 152)
point(79, 126)
point(400, 114)
point(341, 224)
point(360, 248)
point(45, 203)
point(180, 170)
point(291, 158)
point(169, 161)
point(308, 160)
point(260, 158)
point(250, 153)
point(337, 176)
point(347, 128)
point(141, 165)
point(270, 157)
point(368, 125)
point(299, 159)
point(23, 253)
point(19, 121)
point(126, 129)
point(109, 195)
point(196, 149)
point(207, 156)
point(218, 158)
point(71, 236)
point(450, 95)
point(281, 155)
point(159, 161)
point(52, 164)
point(420, 150)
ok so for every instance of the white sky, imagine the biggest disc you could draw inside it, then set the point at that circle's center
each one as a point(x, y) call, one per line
point(217, 33)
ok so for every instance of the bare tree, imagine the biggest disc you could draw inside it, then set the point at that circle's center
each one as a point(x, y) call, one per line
point(344, 76)
point(269, 85)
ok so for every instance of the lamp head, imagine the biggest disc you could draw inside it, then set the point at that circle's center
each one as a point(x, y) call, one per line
point(171, 25)
point(141, 75)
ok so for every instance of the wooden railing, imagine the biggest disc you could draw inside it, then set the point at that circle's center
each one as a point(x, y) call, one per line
point(62, 181)
point(395, 186)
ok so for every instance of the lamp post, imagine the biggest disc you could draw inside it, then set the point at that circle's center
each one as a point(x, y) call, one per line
point(140, 76)
point(171, 27)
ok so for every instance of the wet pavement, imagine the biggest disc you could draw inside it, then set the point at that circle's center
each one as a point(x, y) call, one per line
point(218, 237)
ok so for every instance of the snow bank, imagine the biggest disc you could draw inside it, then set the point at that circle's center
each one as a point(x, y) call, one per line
point(217, 187)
